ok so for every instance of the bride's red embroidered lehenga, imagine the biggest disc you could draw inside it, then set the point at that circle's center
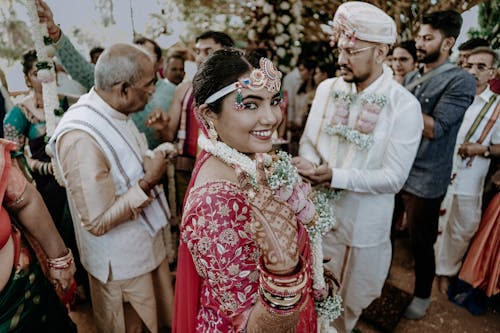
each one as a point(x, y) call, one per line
point(217, 277)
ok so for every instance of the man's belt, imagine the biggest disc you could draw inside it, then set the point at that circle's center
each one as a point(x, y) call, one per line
point(184, 163)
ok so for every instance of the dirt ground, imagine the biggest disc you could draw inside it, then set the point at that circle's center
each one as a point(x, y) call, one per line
point(442, 316)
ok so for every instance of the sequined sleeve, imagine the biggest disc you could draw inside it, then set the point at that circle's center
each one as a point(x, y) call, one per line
point(216, 230)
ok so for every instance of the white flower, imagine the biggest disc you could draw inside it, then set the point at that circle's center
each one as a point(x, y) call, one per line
point(252, 35)
point(281, 52)
point(267, 8)
point(285, 19)
point(280, 40)
point(280, 28)
point(285, 5)
point(264, 21)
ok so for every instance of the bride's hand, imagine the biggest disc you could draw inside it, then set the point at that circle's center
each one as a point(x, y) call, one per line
point(274, 223)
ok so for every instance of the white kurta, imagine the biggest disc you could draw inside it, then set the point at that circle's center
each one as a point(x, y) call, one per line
point(463, 198)
point(370, 179)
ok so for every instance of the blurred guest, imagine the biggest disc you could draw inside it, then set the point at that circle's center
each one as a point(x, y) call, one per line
point(174, 69)
point(444, 91)
point(478, 140)
point(322, 72)
point(404, 59)
point(28, 301)
point(94, 54)
point(467, 46)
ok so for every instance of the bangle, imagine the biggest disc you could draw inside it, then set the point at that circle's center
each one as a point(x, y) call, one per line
point(63, 262)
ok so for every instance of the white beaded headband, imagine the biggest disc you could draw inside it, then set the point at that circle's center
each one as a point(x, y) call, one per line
point(267, 76)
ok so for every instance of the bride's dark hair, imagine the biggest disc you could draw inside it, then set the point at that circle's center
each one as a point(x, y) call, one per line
point(219, 70)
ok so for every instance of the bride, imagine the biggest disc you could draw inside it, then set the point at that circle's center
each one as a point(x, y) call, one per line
point(245, 257)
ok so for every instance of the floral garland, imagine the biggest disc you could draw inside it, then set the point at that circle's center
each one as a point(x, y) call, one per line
point(361, 135)
point(45, 67)
point(283, 177)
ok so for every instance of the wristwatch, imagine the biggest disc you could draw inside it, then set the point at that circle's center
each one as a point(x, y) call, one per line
point(487, 153)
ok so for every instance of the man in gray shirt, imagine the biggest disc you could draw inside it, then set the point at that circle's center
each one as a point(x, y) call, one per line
point(445, 92)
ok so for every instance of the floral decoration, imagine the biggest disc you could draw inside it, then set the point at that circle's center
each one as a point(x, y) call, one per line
point(280, 24)
point(46, 71)
point(361, 135)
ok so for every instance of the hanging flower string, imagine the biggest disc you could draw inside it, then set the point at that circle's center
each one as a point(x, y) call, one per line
point(316, 214)
point(45, 68)
point(361, 135)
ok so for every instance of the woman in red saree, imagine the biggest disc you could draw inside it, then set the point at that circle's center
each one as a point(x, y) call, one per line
point(244, 262)
point(28, 301)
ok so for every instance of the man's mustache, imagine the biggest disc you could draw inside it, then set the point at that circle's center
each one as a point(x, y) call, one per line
point(420, 50)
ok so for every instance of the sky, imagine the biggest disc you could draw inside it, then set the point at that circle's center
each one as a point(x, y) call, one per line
point(84, 15)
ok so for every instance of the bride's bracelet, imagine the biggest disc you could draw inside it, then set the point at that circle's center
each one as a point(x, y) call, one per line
point(282, 295)
point(61, 263)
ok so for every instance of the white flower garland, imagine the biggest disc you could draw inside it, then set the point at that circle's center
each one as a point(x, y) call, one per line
point(372, 106)
point(283, 174)
point(46, 70)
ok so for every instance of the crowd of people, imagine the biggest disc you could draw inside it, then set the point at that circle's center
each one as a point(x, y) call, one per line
point(168, 199)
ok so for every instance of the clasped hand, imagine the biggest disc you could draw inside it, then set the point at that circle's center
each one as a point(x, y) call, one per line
point(315, 174)
point(273, 223)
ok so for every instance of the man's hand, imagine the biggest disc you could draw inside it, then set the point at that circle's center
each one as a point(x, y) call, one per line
point(45, 15)
point(470, 149)
point(318, 175)
point(302, 164)
point(158, 120)
point(154, 167)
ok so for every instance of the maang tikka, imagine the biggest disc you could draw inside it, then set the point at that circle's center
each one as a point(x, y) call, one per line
point(267, 76)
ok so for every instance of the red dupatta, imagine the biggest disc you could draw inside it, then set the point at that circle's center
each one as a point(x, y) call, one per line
point(187, 280)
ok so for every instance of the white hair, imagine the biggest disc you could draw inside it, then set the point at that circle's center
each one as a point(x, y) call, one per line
point(119, 63)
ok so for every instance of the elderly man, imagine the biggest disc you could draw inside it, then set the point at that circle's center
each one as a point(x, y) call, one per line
point(119, 211)
point(478, 140)
point(360, 138)
point(83, 72)
point(444, 92)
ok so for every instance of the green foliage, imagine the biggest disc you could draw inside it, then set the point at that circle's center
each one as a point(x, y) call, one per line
point(15, 35)
point(489, 23)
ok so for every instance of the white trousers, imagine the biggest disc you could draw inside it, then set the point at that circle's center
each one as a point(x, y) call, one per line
point(458, 229)
point(361, 272)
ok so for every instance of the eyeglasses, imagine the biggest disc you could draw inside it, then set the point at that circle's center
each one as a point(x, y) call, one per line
point(351, 52)
point(480, 67)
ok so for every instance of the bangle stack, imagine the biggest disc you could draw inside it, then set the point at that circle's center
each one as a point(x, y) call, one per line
point(283, 295)
point(61, 263)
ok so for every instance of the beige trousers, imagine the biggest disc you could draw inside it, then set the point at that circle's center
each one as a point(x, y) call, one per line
point(361, 273)
point(134, 304)
point(457, 231)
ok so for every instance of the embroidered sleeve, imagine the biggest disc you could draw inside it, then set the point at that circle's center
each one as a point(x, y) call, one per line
point(16, 126)
point(216, 229)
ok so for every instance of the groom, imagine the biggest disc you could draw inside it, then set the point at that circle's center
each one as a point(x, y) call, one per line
point(361, 137)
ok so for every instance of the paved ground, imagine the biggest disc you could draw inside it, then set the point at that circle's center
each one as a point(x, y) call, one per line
point(443, 316)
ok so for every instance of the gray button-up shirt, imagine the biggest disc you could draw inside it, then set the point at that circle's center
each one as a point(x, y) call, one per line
point(444, 97)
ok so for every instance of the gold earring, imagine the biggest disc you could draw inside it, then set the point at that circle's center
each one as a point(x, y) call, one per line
point(212, 132)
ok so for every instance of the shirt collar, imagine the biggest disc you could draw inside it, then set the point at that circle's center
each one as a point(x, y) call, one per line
point(105, 107)
point(486, 94)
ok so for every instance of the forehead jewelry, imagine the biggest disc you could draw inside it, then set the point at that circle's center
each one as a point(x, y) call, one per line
point(266, 77)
